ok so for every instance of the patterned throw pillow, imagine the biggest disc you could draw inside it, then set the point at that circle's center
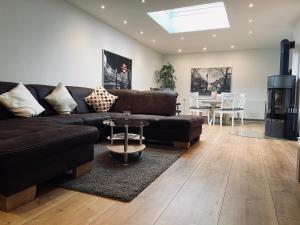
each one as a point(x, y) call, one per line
point(100, 99)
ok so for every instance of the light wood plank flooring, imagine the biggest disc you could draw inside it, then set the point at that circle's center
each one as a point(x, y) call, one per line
point(224, 179)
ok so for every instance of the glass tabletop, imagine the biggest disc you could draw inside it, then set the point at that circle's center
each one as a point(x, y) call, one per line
point(124, 123)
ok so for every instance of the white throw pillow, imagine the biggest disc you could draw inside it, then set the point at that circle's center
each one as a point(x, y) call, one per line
point(20, 102)
point(61, 100)
point(100, 99)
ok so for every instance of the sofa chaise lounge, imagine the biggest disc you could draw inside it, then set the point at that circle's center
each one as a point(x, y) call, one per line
point(33, 150)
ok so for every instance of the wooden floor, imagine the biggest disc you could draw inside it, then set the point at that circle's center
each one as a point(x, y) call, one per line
point(224, 179)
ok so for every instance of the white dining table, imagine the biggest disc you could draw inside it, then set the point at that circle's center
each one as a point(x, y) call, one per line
point(213, 102)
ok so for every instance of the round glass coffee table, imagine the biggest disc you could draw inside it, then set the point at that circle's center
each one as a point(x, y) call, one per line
point(126, 148)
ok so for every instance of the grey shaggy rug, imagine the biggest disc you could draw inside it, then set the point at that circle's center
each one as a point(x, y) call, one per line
point(110, 178)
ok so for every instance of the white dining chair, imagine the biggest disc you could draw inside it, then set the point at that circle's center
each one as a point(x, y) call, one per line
point(227, 107)
point(199, 109)
point(241, 107)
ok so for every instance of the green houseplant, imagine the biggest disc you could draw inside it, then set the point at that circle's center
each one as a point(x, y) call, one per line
point(165, 77)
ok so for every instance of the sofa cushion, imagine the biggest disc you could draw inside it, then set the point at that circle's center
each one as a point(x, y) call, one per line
point(23, 142)
point(155, 103)
point(21, 102)
point(152, 119)
point(79, 93)
point(92, 119)
point(115, 115)
point(180, 122)
point(145, 102)
point(61, 100)
point(50, 120)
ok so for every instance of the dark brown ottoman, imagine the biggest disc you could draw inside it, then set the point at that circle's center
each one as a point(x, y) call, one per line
point(32, 153)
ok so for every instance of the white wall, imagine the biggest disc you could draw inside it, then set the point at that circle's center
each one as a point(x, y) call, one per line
point(250, 71)
point(48, 41)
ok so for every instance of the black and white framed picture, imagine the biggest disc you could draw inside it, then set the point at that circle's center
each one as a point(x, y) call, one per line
point(206, 80)
point(117, 71)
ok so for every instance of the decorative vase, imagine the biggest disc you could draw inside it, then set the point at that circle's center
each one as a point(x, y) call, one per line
point(214, 94)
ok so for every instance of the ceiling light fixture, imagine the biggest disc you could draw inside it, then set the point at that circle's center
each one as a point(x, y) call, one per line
point(250, 20)
point(251, 5)
point(153, 40)
point(232, 46)
point(102, 6)
point(204, 49)
point(125, 22)
point(250, 31)
point(192, 18)
point(182, 38)
point(214, 35)
point(143, 1)
point(141, 32)
point(179, 50)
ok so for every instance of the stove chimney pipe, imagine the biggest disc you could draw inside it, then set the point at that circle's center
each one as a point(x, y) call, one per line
point(286, 45)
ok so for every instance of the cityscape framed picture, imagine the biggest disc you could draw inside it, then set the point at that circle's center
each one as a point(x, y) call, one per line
point(117, 71)
point(206, 80)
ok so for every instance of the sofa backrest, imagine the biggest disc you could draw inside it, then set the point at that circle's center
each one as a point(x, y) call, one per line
point(145, 102)
point(78, 94)
point(125, 101)
point(42, 91)
point(138, 102)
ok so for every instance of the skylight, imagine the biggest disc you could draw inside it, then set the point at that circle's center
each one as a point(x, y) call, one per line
point(192, 18)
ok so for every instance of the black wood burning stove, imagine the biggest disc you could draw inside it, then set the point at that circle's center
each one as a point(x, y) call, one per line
point(281, 110)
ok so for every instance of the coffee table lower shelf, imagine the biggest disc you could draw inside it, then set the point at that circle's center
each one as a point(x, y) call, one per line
point(131, 148)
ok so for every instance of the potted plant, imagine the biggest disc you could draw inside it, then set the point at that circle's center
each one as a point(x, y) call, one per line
point(165, 77)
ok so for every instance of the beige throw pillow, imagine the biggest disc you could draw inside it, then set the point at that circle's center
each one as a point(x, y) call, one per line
point(100, 99)
point(61, 100)
point(20, 102)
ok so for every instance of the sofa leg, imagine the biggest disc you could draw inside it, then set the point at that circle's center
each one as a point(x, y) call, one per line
point(197, 139)
point(82, 169)
point(182, 144)
point(11, 202)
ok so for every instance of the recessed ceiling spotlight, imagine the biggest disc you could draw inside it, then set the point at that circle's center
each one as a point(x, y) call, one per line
point(179, 50)
point(153, 40)
point(232, 46)
point(182, 38)
point(250, 32)
point(204, 49)
point(102, 6)
point(214, 35)
point(125, 22)
point(251, 5)
point(250, 20)
point(141, 32)
point(143, 1)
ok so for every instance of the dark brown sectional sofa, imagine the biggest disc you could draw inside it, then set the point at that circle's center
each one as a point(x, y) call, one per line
point(34, 150)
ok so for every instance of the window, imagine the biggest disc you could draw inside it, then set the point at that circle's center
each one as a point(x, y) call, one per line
point(192, 18)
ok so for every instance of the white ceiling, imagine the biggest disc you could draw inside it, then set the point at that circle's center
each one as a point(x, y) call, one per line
point(273, 20)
